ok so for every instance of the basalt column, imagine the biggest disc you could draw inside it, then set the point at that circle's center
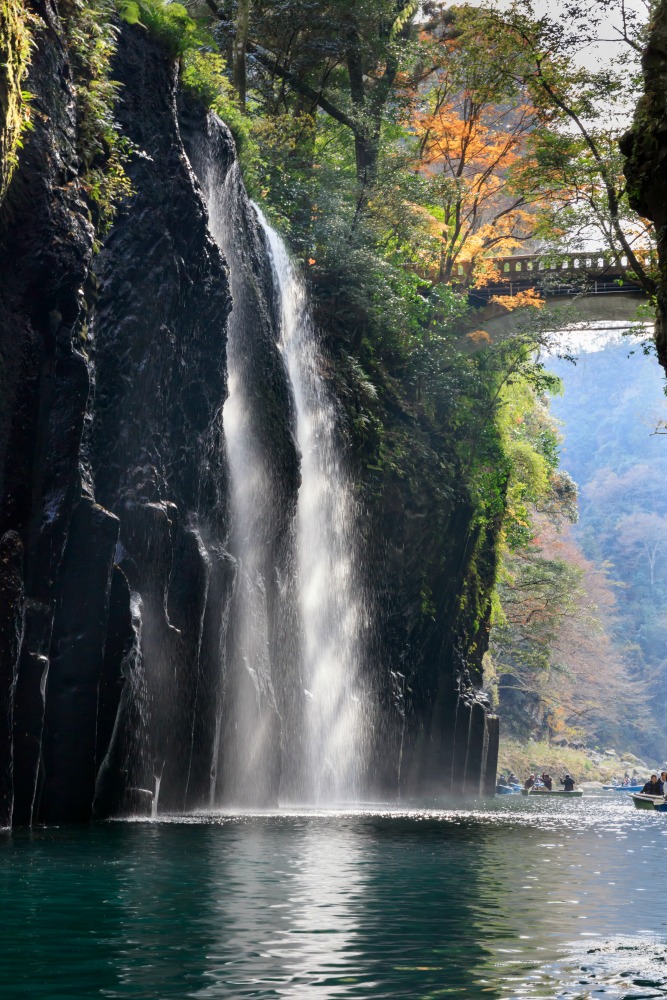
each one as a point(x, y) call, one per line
point(46, 244)
point(158, 339)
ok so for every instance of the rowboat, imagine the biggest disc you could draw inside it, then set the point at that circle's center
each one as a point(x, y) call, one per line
point(576, 793)
point(622, 788)
point(643, 801)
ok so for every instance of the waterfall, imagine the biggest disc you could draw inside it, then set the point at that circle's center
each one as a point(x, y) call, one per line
point(245, 764)
point(292, 716)
point(331, 597)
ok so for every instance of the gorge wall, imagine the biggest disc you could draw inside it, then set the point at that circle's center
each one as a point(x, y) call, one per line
point(119, 582)
point(645, 150)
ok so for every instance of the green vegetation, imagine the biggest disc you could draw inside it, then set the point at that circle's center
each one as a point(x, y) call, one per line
point(16, 41)
point(91, 37)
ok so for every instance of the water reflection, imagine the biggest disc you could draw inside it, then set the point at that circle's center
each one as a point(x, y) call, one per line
point(285, 911)
point(514, 901)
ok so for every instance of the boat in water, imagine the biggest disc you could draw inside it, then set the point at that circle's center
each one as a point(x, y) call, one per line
point(643, 801)
point(622, 788)
point(576, 793)
point(508, 789)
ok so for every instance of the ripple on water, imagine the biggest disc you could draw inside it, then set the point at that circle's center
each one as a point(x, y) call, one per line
point(509, 900)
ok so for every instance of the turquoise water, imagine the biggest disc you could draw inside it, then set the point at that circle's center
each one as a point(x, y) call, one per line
point(519, 899)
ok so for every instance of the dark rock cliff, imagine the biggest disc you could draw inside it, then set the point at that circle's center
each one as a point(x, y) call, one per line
point(117, 578)
point(157, 341)
point(432, 568)
point(113, 477)
point(46, 249)
point(645, 149)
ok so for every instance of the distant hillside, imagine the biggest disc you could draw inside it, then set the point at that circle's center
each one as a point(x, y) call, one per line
point(612, 403)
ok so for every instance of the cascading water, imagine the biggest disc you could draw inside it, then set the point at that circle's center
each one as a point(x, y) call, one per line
point(245, 769)
point(331, 596)
point(292, 716)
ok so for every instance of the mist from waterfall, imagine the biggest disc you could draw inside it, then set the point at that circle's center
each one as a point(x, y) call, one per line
point(331, 596)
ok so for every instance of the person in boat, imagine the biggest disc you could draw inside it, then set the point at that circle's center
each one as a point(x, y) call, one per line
point(502, 780)
point(513, 780)
point(626, 779)
point(529, 782)
point(547, 781)
point(663, 778)
point(568, 783)
point(653, 786)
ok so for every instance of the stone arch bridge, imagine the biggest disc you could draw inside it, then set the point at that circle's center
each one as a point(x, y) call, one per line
point(568, 274)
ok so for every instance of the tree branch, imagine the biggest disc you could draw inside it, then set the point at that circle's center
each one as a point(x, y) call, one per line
point(313, 95)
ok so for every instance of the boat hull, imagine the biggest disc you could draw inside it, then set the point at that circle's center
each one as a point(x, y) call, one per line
point(652, 802)
point(576, 794)
point(622, 788)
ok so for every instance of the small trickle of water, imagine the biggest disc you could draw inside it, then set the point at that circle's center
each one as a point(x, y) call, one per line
point(331, 595)
point(156, 796)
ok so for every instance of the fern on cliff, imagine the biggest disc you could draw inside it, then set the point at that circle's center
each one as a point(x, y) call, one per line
point(16, 42)
point(104, 150)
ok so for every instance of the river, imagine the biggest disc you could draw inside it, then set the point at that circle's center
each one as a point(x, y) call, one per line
point(513, 899)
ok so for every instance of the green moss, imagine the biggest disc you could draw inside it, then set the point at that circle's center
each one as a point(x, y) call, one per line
point(91, 38)
point(16, 26)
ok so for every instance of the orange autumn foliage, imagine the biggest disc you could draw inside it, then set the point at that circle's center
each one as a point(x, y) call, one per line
point(471, 144)
point(520, 300)
point(478, 337)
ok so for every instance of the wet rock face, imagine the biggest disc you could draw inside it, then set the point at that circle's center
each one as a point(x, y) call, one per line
point(433, 571)
point(46, 244)
point(158, 343)
point(110, 452)
point(645, 149)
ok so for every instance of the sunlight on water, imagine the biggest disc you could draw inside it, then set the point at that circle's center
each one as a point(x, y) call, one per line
point(506, 900)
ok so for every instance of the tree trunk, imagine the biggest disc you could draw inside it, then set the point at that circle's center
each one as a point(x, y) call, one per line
point(239, 50)
point(366, 149)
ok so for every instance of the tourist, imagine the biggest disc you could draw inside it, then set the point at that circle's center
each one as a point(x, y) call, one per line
point(568, 783)
point(547, 781)
point(513, 780)
point(663, 778)
point(653, 786)
point(529, 782)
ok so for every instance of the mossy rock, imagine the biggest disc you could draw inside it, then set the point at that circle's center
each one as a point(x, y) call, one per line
point(15, 46)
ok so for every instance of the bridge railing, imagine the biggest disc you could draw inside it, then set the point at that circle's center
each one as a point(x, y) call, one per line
point(551, 274)
point(535, 264)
